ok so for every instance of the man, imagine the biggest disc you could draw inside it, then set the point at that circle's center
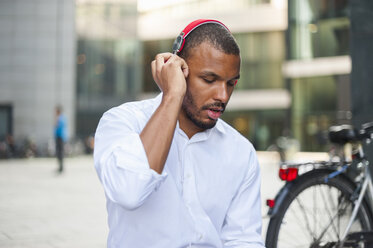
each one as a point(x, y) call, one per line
point(60, 137)
point(174, 174)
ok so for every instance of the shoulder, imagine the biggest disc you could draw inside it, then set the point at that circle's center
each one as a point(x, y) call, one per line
point(134, 110)
point(130, 115)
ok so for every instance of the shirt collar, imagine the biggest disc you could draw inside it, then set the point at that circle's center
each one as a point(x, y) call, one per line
point(219, 126)
point(205, 134)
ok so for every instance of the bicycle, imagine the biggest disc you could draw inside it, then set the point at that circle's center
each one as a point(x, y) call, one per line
point(320, 205)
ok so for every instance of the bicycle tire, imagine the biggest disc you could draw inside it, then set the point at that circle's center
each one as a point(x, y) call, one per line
point(324, 215)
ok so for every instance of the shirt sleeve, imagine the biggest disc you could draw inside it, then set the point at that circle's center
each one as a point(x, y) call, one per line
point(120, 159)
point(243, 222)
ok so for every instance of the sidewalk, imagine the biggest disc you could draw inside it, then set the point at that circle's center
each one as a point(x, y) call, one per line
point(41, 209)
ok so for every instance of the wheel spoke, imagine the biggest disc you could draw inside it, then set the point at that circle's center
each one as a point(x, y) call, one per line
point(316, 214)
point(334, 206)
point(331, 222)
point(306, 219)
point(331, 218)
point(314, 208)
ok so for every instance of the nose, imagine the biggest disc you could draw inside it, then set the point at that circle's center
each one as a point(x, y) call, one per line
point(221, 92)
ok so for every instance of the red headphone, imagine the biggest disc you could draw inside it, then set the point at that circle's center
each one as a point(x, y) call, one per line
point(180, 39)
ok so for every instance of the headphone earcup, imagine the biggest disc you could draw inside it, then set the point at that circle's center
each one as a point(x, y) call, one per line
point(177, 44)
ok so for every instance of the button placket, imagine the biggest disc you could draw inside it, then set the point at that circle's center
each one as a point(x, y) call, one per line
point(182, 145)
point(189, 193)
point(188, 182)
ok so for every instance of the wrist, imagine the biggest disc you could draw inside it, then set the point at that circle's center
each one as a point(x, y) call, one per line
point(172, 98)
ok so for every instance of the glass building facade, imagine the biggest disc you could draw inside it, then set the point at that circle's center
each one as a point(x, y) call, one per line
point(262, 55)
point(313, 110)
point(113, 62)
point(150, 49)
point(108, 59)
point(261, 127)
point(318, 29)
point(184, 8)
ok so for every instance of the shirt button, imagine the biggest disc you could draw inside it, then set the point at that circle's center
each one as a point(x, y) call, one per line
point(189, 176)
point(200, 236)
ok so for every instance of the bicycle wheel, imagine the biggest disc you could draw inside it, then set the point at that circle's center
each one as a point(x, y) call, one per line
point(315, 213)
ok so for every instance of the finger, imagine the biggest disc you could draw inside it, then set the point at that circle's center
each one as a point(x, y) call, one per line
point(163, 57)
point(159, 62)
point(180, 62)
point(166, 55)
point(153, 67)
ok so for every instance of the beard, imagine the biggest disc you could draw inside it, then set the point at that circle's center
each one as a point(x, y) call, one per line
point(193, 113)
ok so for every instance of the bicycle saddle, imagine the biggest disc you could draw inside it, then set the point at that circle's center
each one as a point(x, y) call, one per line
point(342, 134)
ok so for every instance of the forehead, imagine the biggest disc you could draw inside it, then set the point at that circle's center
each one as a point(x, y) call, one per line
point(205, 57)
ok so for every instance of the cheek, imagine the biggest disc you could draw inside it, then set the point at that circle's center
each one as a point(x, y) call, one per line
point(195, 90)
point(192, 103)
point(201, 90)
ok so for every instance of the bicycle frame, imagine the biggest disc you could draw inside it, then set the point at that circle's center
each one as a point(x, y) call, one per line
point(367, 185)
point(356, 193)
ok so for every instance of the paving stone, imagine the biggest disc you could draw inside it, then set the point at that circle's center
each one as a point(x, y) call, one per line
point(39, 208)
point(42, 209)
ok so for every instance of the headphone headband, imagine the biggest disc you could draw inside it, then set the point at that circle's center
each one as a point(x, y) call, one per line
point(180, 39)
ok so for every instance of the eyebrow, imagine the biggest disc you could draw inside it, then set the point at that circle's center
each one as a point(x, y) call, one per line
point(212, 74)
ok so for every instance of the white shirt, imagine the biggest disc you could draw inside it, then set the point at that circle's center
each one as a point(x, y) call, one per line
point(208, 194)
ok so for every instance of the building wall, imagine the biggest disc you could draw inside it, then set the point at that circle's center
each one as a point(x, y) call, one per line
point(37, 47)
point(317, 69)
point(108, 63)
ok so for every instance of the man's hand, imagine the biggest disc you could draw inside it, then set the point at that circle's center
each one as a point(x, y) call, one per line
point(170, 73)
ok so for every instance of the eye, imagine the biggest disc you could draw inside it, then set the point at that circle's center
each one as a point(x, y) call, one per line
point(209, 81)
point(232, 83)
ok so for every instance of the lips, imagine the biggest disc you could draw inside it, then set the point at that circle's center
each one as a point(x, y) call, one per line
point(214, 110)
point(214, 113)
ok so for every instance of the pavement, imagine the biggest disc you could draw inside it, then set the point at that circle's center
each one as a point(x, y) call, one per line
point(40, 208)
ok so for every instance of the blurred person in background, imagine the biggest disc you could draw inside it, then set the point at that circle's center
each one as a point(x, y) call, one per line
point(60, 136)
point(11, 145)
point(174, 173)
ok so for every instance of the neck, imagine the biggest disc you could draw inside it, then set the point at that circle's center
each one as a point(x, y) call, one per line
point(188, 127)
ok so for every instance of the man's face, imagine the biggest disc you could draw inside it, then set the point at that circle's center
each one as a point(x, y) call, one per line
point(210, 83)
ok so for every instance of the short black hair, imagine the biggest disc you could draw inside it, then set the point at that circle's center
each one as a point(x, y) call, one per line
point(215, 34)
